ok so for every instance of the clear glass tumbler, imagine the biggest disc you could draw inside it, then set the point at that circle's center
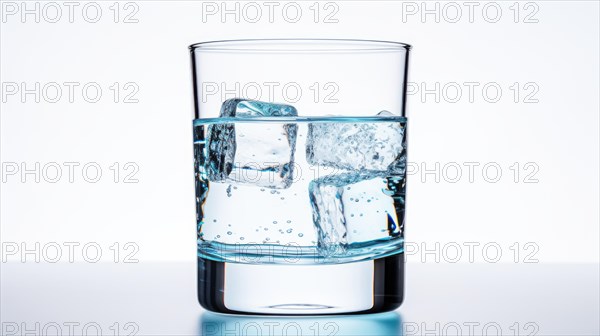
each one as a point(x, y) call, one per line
point(300, 166)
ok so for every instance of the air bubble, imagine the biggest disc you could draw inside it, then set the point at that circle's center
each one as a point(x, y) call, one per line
point(229, 233)
point(300, 234)
point(289, 230)
point(388, 192)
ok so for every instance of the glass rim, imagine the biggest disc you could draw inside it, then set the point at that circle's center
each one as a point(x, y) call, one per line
point(301, 119)
point(299, 45)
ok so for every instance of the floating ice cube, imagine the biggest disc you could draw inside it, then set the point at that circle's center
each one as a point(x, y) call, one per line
point(350, 209)
point(258, 154)
point(254, 108)
point(374, 146)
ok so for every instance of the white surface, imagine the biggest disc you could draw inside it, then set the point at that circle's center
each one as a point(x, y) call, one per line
point(160, 298)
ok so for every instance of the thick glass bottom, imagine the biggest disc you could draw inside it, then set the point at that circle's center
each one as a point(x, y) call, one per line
point(372, 286)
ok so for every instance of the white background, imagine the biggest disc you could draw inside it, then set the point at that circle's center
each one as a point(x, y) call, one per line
point(557, 130)
point(545, 230)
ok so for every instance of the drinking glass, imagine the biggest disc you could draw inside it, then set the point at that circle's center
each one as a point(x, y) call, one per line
point(300, 172)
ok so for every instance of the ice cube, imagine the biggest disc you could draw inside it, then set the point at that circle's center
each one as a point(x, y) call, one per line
point(353, 208)
point(367, 146)
point(248, 153)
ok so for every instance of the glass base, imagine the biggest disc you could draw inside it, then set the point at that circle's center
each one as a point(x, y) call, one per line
point(372, 286)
